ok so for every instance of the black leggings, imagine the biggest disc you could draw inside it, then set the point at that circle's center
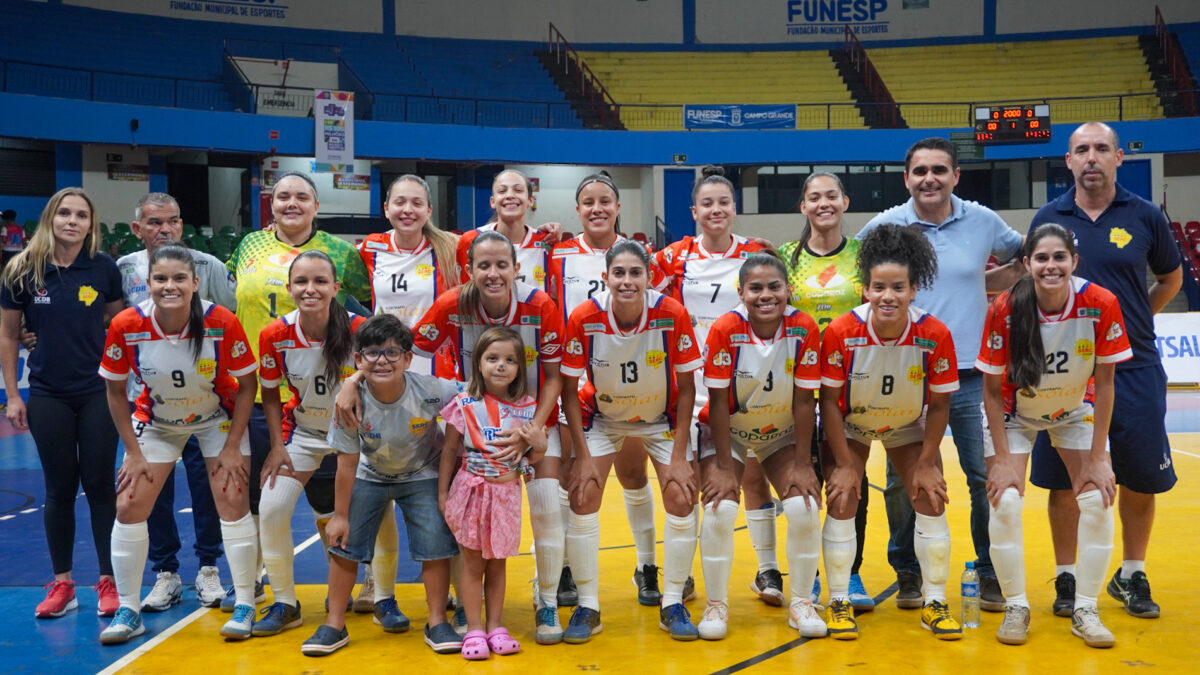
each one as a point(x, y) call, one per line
point(77, 444)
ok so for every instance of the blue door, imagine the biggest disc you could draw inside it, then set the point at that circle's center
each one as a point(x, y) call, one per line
point(1134, 175)
point(677, 203)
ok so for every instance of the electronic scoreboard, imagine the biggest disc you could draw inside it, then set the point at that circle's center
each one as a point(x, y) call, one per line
point(1026, 123)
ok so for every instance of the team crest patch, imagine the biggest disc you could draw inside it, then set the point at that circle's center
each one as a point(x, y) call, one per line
point(575, 347)
point(428, 331)
point(268, 361)
point(424, 271)
point(655, 358)
point(1085, 348)
point(87, 295)
point(722, 358)
point(1114, 331)
point(531, 355)
point(916, 374)
point(835, 359)
point(114, 352)
point(239, 348)
point(1120, 237)
point(206, 368)
point(942, 365)
point(684, 343)
point(995, 340)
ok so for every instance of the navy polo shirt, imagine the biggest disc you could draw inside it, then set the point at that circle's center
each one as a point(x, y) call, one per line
point(1114, 252)
point(68, 318)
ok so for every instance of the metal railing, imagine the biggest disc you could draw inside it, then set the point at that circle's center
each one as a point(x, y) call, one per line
point(587, 83)
point(880, 96)
point(22, 77)
point(1176, 63)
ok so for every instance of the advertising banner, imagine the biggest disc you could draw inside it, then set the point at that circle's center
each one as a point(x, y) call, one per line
point(334, 126)
point(1179, 346)
point(739, 116)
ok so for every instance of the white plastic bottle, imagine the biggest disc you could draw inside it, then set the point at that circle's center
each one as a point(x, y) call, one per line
point(970, 597)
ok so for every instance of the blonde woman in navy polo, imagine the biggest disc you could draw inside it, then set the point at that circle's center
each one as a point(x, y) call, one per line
point(66, 291)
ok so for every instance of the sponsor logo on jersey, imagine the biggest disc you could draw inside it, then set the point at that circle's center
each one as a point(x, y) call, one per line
point(539, 275)
point(206, 368)
point(722, 358)
point(941, 365)
point(41, 297)
point(285, 344)
point(796, 331)
point(604, 398)
point(114, 352)
point(527, 320)
point(789, 366)
point(531, 355)
point(761, 435)
point(661, 323)
point(1085, 348)
point(810, 358)
point(137, 337)
point(739, 338)
point(655, 358)
point(1056, 415)
point(1120, 237)
point(593, 328)
point(490, 433)
point(995, 340)
point(925, 343)
point(1088, 312)
point(239, 349)
point(1114, 331)
point(518, 413)
point(375, 245)
point(268, 361)
point(225, 426)
point(283, 260)
point(424, 271)
point(428, 331)
point(214, 332)
point(835, 359)
point(856, 342)
point(574, 347)
point(916, 374)
point(417, 425)
point(684, 343)
point(87, 295)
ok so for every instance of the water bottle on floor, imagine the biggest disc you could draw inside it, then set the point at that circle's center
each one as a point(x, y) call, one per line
point(970, 597)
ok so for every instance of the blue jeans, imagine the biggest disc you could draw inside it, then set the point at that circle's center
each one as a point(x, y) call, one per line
point(966, 427)
point(164, 535)
point(429, 537)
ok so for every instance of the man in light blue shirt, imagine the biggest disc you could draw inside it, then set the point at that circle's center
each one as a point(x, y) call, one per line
point(963, 234)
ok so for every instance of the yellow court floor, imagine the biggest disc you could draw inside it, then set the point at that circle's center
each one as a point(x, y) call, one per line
point(891, 640)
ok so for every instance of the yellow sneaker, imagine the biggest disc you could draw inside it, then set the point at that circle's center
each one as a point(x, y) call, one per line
point(935, 617)
point(839, 618)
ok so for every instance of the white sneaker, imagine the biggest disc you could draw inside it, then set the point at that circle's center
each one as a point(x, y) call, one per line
point(803, 616)
point(364, 602)
point(1085, 622)
point(715, 622)
point(167, 591)
point(209, 590)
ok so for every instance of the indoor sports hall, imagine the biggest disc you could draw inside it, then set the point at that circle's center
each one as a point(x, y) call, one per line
point(212, 101)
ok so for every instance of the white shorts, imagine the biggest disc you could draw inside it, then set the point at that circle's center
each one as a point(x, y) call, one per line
point(164, 444)
point(307, 449)
point(553, 442)
point(892, 438)
point(702, 439)
point(1073, 432)
point(605, 438)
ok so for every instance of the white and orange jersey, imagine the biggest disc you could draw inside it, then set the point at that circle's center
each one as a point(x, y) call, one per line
point(480, 421)
point(704, 281)
point(630, 374)
point(405, 282)
point(577, 274)
point(1090, 330)
point(885, 383)
point(533, 255)
point(761, 374)
point(177, 388)
point(531, 313)
point(286, 355)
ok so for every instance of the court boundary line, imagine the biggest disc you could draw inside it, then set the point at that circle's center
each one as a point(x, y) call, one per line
point(179, 625)
point(788, 646)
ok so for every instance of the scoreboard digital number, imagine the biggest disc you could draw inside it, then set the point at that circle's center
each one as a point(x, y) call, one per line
point(1012, 124)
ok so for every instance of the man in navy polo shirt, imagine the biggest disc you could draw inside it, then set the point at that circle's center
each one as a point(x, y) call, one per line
point(1118, 235)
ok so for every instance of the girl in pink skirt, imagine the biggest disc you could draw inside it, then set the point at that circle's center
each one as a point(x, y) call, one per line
point(482, 504)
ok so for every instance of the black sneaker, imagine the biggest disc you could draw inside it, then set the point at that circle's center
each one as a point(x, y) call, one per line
point(908, 591)
point(568, 595)
point(1064, 592)
point(991, 599)
point(689, 589)
point(768, 585)
point(1134, 593)
point(646, 580)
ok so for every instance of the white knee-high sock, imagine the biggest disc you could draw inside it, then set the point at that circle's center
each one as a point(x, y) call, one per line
point(383, 560)
point(760, 523)
point(130, 544)
point(639, 508)
point(839, 541)
point(803, 544)
point(1008, 546)
point(545, 519)
point(259, 564)
point(583, 545)
point(716, 548)
point(679, 550)
point(275, 511)
point(1095, 536)
point(241, 549)
point(564, 507)
point(931, 539)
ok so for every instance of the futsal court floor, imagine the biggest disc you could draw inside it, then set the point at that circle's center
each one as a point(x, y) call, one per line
point(184, 639)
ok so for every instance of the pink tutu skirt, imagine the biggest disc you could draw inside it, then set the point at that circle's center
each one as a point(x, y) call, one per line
point(485, 516)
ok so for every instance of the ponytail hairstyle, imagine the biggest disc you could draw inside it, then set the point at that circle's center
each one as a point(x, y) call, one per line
point(1026, 353)
point(902, 245)
point(519, 387)
point(196, 311)
point(627, 246)
point(764, 258)
point(495, 217)
point(604, 178)
point(710, 175)
point(26, 272)
point(468, 297)
point(338, 345)
point(806, 230)
point(444, 244)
